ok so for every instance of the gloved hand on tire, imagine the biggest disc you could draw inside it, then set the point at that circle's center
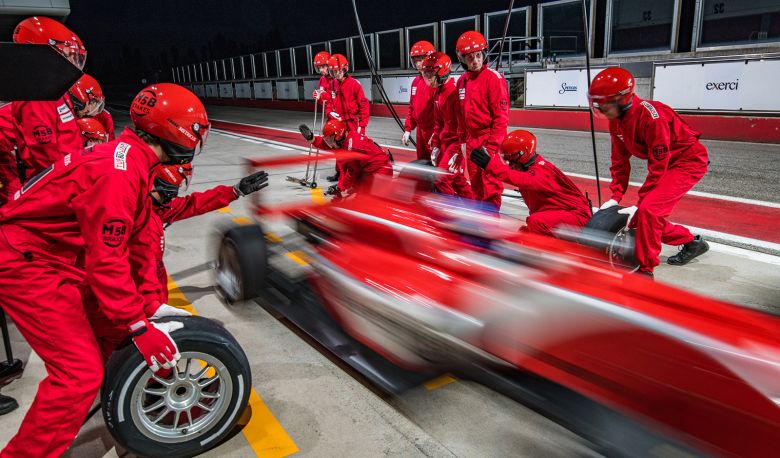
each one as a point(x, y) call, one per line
point(154, 342)
point(251, 183)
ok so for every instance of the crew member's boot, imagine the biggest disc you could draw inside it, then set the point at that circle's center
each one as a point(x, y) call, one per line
point(697, 247)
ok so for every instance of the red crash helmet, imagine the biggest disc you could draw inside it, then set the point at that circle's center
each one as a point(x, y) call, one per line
point(168, 180)
point(335, 128)
point(612, 85)
point(338, 62)
point(469, 42)
point(420, 50)
point(41, 30)
point(321, 58)
point(87, 90)
point(92, 129)
point(519, 146)
point(437, 65)
point(175, 117)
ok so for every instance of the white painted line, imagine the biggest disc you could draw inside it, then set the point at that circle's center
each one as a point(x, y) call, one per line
point(743, 253)
point(761, 203)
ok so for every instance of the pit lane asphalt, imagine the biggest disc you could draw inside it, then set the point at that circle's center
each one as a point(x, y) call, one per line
point(326, 411)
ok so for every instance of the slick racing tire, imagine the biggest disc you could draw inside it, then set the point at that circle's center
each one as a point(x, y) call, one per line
point(242, 263)
point(607, 230)
point(190, 409)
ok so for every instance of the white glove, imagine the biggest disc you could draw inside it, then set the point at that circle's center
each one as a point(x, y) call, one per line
point(334, 115)
point(455, 164)
point(435, 154)
point(405, 138)
point(628, 211)
point(167, 310)
point(316, 94)
point(607, 204)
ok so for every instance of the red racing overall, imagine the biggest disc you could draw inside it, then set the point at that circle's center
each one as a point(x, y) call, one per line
point(552, 198)
point(358, 174)
point(421, 115)
point(86, 207)
point(446, 137)
point(484, 112)
point(676, 161)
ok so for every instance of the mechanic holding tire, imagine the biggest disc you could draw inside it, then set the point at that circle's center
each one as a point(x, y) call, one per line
point(676, 161)
point(87, 207)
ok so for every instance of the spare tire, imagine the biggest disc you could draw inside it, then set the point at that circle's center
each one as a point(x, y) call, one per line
point(606, 230)
point(242, 263)
point(189, 410)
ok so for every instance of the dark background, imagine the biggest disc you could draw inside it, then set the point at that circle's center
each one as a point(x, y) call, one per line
point(131, 40)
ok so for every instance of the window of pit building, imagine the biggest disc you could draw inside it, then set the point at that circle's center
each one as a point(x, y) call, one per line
point(359, 63)
point(245, 62)
point(238, 69)
point(451, 30)
point(285, 62)
point(390, 49)
point(272, 64)
point(301, 60)
point(415, 33)
point(560, 25)
point(517, 47)
point(261, 70)
point(740, 23)
point(639, 26)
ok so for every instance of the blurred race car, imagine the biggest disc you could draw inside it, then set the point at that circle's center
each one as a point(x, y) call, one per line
point(433, 283)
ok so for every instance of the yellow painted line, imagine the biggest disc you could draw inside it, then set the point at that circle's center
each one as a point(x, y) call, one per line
point(262, 431)
point(318, 197)
point(273, 238)
point(243, 220)
point(224, 210)
point(298, 256)
point(439, 382)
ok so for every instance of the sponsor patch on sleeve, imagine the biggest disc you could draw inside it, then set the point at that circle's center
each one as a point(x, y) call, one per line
point(65, 114)
point(113, 232)
point(462, 93)
point(650, 108)
point(659, 152)
point(120, 156)
point(414, 90)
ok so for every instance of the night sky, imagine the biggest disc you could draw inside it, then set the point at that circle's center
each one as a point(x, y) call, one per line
point(130, 40)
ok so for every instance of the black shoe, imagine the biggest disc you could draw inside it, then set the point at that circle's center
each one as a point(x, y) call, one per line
point(690, 250)
point(333, 178)
point(646, 273)
point(7, 404)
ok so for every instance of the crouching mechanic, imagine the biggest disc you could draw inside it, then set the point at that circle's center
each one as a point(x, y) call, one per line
point(169, 208)
point(553, 200)
point(356, 174)
point(676, 161)
point(87, 207)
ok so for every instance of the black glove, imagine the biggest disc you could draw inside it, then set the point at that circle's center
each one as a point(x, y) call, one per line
point(251, 183)
point(306, 132)
point(480, 157)
point(333, 190)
